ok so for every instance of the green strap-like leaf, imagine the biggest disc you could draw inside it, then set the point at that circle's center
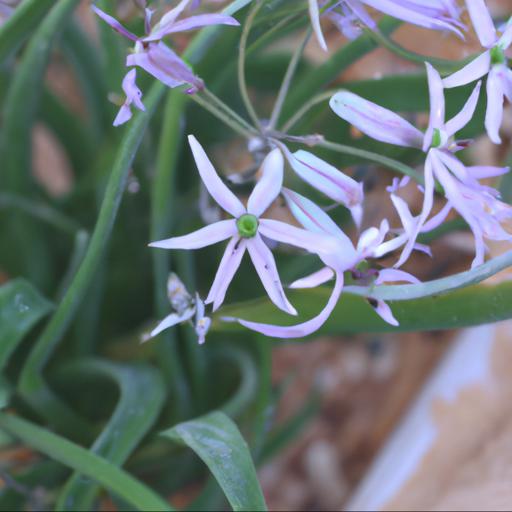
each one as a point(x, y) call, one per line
point(21, 307)
point(218, 442)
point(21, 24)
point(142, 393)
point(87, 463)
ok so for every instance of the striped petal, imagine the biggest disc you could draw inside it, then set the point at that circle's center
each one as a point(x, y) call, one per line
point(495, 97)
point(476, 69)
point(265, 266)
point(269, 185)
point(203, 237)
point(375, 121)
point(217, 189)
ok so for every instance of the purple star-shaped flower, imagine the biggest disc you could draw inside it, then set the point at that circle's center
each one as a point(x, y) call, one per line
point(476, 203)
point(491, 62)
point(246, 229)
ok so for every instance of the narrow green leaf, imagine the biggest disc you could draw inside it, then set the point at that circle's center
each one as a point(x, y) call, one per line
point(32, 385)
point(21, 25)
point(21, 307)
point(218, 442)
point(88, 464)
point(475, 305)
point(142, 393)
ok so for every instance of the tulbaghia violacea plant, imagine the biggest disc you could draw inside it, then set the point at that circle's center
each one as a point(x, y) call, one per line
point(476, 203)
point(492, 62)
point(154, 56)
point(246, 229)
point(350, 15)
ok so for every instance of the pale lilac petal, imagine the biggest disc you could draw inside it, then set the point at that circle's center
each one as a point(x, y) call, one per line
point(114, 24)
point(506, 38)
point(428, 202)
point(394, 275)
point(397, 184)
point(165, 65)
point(456, 166)
point(217, 189)
point(315, 279)
point(288, 234)
point(384, 311)
point(227, 269)
point(202, 327)
point(357, 213)
point(436, 94)
point(398, 10)
point(170, 16)
point(171, 320)
point(480, 172)
point(476, 69)
point(191, 23)
point(314, 14)
point(494, 112)
point(371, 239)
point(375, 121)
point(203, 237)
point(507, 84)
point(303, 329)
point(132, 92)
point(311, 216)
point(436, 220)
point(482, 22)
point(124, 115)
point(265, 265)
point(360, 12)
point(466, 114)
point(326, 178)
point(269, 185)
point(406, 217)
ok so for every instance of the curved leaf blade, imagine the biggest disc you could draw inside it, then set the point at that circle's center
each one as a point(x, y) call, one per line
point(87, 463)
point(217, 441)
point(21, 307)
point(131, 420)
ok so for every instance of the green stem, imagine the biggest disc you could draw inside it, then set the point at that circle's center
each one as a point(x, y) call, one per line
point(373, 157)
point(241, 63)
point(287, 80)
point(442, 65)
point(315, 100)
point(31, 384)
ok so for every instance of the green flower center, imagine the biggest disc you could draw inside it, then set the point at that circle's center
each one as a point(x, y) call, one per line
point(498, 55)
point(247, 225)
point(436, 138)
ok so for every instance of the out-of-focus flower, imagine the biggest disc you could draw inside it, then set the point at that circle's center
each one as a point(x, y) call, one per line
point(344, 257)
point(246, 229)
point(349, 15)
point(154, 56)
point(133, 96)
point(476, 203)
point(185, 307)
point(491, 62)
point(7, 7)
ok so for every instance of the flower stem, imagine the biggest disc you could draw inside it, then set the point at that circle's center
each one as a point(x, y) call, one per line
point(241, 63)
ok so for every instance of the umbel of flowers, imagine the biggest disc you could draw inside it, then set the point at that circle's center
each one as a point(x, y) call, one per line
point(248, 227)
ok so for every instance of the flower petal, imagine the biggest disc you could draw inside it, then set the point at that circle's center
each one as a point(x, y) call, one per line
point(394, 275)
point(375, 121)
point(458, 122)
point(227, 268)
point(436, 94)
point(169, 18)
point(287, 234)
point(217, 189)
point(314, 15)
point(480, 172)
point(203, 237)
point(315, 279)
point(190, 23)
point(124, 115)
point(269, 185)
point(476, 69)
point(494, 112)
point(482, 22)
point(114, 24)
point(326, 178)
point(506, 38)
point(299, 330)
point(171, 320)
point(384, 311)
point(265, 265)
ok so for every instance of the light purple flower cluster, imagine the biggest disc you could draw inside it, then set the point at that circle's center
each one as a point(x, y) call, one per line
point(349, 15)
point(154, 56)
point(250, 227)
